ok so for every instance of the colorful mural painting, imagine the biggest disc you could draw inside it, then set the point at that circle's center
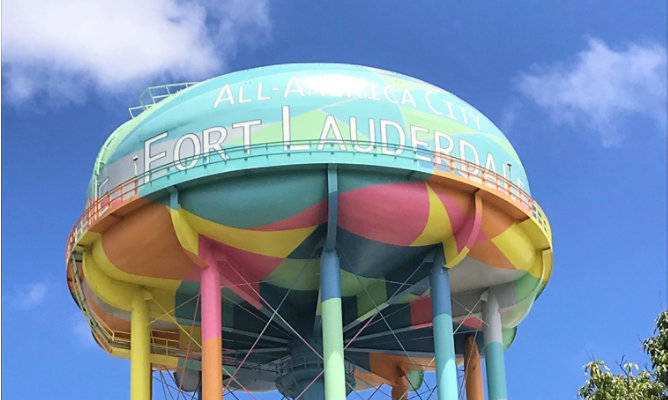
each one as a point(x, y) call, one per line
point(314, 229)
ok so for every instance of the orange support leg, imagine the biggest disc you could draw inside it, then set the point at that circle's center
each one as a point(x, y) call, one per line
point(212, 346)
point(400, 388)
point(473, 371)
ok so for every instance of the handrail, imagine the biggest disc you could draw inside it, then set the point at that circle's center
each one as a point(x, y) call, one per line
point(160, 340)
point(153, 98)
point(443, 164)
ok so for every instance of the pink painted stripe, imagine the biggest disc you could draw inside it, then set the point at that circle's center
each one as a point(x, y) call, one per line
point(392, 213)
point(314, 215)
point(211, 303)
point(472, 322)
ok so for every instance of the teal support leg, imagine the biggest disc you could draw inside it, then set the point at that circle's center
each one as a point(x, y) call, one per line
point(332, 326)
point(494, 364)
point(444, 344)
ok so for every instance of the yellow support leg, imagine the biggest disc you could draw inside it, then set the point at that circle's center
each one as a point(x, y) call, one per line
point(140, 348)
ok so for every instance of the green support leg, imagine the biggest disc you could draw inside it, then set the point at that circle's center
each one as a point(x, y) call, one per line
point(332, 326)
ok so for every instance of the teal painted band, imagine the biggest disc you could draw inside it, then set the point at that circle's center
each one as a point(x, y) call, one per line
point(446, 363)
point(496, 371)
point(332, 348)
point(444, 344)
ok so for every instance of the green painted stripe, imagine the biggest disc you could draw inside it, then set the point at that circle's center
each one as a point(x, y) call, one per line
point(332, 346)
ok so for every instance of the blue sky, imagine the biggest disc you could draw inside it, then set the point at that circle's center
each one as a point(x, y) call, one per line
point(579, 88)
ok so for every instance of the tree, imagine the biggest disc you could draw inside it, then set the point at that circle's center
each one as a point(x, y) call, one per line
point(645, 384)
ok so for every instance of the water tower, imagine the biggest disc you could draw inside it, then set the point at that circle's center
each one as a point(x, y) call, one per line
point(314, 229)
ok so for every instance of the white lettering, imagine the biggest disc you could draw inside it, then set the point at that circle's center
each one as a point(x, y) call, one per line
point(386, 92)
point(431, 107)
point(489, 163)
point(241, 96)
point(259, 93)
point(104, 182)
point(297, 89)
point(520, 183)
point(208, 146)
point(331, 126)
point(148, 158)
point(287, 140)
point(415, 130)
point(440, 150)
point(463, 145)
point(196, 151)
point(372, 135)
point(373, 96)
point(463, 110)
point(246, 129)
point(383, 137)
point(407, 97)
point(224, 95)
point(476, 118)
point(451, 115)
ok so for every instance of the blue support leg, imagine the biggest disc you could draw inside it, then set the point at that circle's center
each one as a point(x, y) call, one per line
point(444, 345)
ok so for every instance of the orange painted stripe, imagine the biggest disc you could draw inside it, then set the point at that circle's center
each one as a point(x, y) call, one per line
point(473, 371)
point(212, 368)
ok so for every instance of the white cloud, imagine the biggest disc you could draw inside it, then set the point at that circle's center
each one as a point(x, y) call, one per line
point(603, 89)
point(509, 116)
point(60, 48)
point(28, 296)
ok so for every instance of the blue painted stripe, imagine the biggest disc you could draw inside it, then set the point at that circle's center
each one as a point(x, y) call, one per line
point(440, 286)
point(330, 276)
point(444, 344)
point(496, 374)
point(332, 206)
point(446, 363)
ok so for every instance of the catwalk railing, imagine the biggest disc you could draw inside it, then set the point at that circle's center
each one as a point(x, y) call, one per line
point(442, 165)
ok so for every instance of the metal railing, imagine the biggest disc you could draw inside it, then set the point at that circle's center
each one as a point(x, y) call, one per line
point(124, 193)
point(162, 341)
point(442, 165)
point(154, 94)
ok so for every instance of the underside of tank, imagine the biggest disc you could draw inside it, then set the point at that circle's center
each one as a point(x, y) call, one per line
point(266, 229)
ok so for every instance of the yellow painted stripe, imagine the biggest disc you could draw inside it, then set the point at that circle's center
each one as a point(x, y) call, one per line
point(450, 249)
point(438, 225)
point(269, 243)
point(118, 292)
point(518, 249)
point(185, 233)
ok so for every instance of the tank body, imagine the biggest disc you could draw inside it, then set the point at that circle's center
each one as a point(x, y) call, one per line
point(243, 171)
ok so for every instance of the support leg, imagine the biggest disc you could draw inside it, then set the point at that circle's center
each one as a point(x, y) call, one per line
point(332, 326)
point(472, 371)
point(212, 341)
point(444, 345)
point(494, 364)
point(400, 389)
point(140, 348)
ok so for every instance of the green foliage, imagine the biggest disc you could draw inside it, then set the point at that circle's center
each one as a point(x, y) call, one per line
point(657, 348)
point(646, 384)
